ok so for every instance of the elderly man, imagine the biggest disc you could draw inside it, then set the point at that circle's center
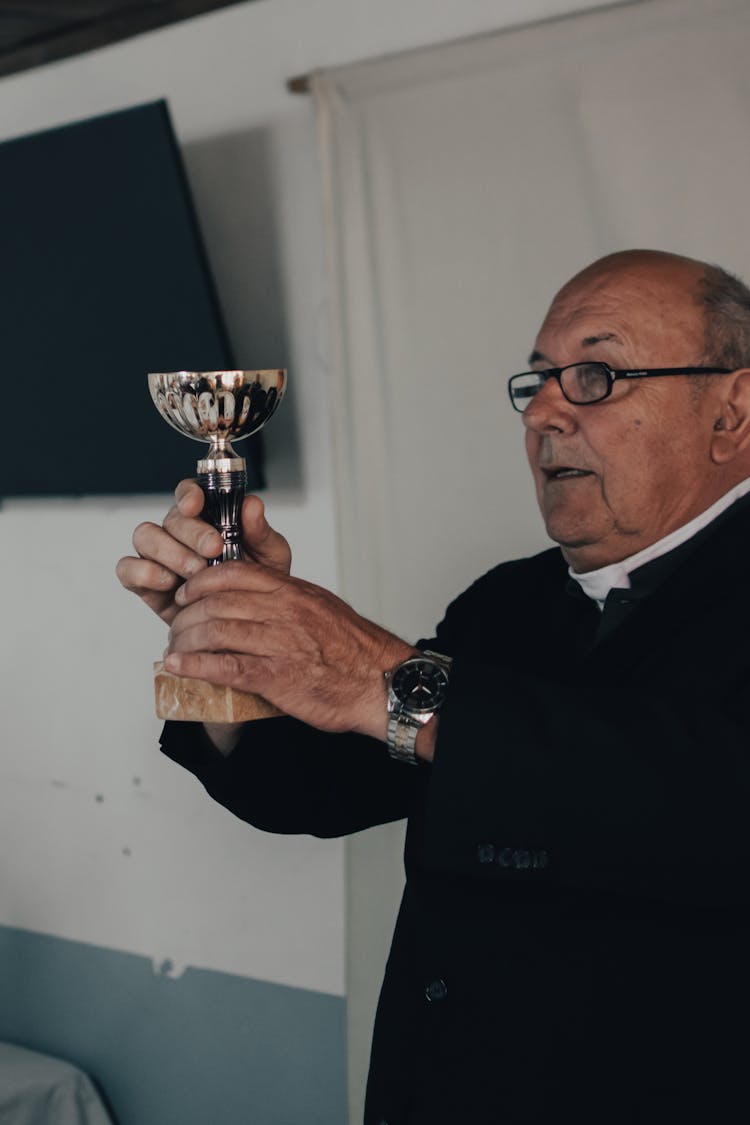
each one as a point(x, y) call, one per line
point(573, 938)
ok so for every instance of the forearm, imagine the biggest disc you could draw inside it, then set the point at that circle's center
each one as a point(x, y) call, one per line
point(283, 776)
point(370, 718)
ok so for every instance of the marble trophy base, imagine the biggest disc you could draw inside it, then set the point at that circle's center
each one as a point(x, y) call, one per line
point(194, 701)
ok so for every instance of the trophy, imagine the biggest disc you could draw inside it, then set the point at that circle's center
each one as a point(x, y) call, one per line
point(217, 407)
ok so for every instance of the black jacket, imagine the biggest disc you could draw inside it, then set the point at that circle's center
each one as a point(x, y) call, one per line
point(574, 940)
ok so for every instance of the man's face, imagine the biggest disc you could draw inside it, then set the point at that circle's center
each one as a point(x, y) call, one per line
point(642, 455)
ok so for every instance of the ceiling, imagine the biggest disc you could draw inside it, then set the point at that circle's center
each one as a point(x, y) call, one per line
point(33, 32)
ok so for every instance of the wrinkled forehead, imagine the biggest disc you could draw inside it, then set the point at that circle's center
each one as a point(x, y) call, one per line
point(643, 308)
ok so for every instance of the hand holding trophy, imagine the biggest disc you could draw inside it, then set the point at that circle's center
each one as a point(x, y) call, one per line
point(217, 407)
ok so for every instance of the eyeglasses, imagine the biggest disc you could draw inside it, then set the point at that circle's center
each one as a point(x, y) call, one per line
point(586, 383)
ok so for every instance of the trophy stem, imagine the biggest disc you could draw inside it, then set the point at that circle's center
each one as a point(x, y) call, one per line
point(224, 489)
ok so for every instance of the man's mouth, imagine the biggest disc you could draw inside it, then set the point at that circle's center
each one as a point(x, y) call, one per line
point(565, 472)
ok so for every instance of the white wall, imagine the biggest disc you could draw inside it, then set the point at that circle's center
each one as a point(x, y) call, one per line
point(75, 652)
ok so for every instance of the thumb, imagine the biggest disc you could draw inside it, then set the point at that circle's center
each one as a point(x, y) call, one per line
point(259, 539)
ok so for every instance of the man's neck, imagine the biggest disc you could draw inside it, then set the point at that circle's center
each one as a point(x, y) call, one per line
point(597, 583)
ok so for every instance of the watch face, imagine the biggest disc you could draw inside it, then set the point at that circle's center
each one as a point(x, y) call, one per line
point(420, 685)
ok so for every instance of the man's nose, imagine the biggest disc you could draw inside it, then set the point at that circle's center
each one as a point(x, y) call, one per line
point(549, 411)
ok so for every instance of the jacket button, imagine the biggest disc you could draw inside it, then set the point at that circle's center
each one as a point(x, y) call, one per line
point(486, 853)
point(436, 990)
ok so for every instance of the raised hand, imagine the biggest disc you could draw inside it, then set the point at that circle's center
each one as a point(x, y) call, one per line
point(182, 546)
point(253, 627)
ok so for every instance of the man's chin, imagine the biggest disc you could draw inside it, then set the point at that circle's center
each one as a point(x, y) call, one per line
point(582, 548)
point(585, 553)
point(569, 535)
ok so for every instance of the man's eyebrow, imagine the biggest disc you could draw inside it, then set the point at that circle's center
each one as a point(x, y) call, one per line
point(586, 342)
point(589, 341)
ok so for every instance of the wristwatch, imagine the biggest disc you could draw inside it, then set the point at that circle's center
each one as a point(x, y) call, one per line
point(416, 691)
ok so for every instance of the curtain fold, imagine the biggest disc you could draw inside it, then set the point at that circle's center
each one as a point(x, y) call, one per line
point(464, 184)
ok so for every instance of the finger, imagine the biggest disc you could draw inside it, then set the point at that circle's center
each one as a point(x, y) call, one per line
point(162, 604)
point(156, 545)
point(260, 540)
point(139, 575)
point(250, 638)
point(186, 524)
point(190, 498)
point(246, 576)
point(152, 584)
point(240, 606)
point(193, 532)
point(223, 668)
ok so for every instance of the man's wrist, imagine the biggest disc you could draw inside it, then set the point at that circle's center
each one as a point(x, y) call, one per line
point(374, 715)
point(424, 747)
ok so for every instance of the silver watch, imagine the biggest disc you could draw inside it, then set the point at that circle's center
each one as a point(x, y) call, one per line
point(416, 691)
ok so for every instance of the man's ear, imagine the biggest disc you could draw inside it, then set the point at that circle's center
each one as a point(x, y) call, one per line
point(731, 432)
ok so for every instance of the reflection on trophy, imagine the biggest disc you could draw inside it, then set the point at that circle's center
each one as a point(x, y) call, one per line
point(217, 407)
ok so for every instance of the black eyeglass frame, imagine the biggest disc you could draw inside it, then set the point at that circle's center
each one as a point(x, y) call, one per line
point(612, 374)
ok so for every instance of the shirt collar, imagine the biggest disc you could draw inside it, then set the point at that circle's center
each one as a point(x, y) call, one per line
point(596, 584)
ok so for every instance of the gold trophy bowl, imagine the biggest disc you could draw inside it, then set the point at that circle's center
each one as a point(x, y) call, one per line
point(217, 407)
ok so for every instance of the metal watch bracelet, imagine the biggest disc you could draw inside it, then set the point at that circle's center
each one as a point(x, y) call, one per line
point(402, 737)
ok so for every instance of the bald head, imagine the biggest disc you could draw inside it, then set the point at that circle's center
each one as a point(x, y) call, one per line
point(671, 269)
point(714, 300)
point(660, 261)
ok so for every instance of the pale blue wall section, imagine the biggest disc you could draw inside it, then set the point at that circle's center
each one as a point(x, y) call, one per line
point(206, 1047)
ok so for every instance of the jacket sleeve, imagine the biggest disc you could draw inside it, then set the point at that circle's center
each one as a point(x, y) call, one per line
point(626, 783)
point(284, 776)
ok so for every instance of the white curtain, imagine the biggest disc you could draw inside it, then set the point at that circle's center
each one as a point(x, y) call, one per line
point(464, 184)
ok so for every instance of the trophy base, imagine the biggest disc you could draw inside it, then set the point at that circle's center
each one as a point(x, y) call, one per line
point(194, 701)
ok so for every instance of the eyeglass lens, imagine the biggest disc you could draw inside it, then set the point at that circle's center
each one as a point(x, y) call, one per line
point(581, 383)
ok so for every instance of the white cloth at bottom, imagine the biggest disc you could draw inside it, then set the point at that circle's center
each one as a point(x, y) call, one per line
point(37, 1089)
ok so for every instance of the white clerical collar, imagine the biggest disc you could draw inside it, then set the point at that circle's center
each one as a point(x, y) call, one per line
point(596, 584)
